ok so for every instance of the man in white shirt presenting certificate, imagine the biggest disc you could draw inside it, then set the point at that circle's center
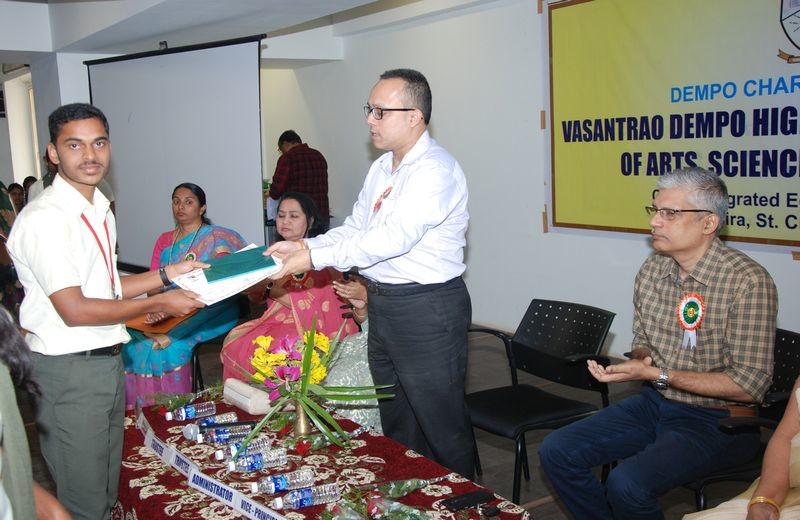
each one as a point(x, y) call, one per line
point(406, 234)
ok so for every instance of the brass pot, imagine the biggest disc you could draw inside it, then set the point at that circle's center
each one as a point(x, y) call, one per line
point(302, 426)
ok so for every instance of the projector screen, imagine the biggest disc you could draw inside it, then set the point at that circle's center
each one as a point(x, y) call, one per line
point(190, 114)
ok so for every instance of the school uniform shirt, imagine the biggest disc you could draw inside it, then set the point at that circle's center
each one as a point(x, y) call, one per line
point(53, 248)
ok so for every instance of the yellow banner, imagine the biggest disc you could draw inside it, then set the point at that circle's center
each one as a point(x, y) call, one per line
point(639, 88)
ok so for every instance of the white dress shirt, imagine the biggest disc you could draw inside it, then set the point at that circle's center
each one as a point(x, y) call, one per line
point(415, 232)
point(53, 249)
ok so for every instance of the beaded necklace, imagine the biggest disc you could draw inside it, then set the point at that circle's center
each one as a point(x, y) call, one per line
point(189, 254)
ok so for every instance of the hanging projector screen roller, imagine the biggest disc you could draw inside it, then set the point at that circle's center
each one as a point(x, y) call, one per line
point(189, 115)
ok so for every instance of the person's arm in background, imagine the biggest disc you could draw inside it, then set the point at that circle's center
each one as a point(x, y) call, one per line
point(355, 292)
point(774, 483)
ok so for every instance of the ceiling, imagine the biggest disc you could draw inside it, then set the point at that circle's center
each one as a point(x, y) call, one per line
point(189, 22)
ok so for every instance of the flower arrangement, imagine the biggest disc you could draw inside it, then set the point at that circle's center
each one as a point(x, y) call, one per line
point(294, 369)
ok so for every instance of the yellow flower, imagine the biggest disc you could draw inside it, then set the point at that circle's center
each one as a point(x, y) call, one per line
point(318, 373)
point(259, 360)
point(321, 341)
point(263, 341)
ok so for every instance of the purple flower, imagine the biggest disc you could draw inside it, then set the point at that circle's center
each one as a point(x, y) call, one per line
point(287, 373)
point(285, 345)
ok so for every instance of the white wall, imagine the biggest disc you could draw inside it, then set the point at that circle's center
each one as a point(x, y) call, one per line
point(487, 68)
point(24, 26)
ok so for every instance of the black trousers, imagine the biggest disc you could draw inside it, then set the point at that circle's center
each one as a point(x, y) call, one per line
point(418, 343)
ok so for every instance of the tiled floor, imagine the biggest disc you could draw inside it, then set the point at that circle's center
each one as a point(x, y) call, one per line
point(487, 368)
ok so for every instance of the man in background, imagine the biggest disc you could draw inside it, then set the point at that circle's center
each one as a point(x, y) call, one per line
point(407, 235)
point(17, 194)
point(301, 168)
point(63, 248)
point(703, 338)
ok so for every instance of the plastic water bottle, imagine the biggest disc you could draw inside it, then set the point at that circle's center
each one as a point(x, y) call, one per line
point(193, 430)
point(224, 434)
point(272, 484)
point(227, 417)
point(256, 461)
point(256, 446)
point(310, 496)
point(192, 411)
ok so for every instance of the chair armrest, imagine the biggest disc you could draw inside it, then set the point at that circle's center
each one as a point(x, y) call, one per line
point(776, 398)
point(736, 424)
point(577, 359)
point(505, 338)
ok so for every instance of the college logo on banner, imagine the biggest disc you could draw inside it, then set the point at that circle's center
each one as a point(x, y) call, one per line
point(790, 21)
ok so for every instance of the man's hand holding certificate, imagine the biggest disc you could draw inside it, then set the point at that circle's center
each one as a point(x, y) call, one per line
point(229, 275)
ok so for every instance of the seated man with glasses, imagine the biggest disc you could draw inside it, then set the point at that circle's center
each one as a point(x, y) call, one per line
point(703, 333)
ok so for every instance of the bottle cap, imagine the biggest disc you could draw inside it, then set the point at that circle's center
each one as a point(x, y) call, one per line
point(191, 431)
point(231, 465)
point(254, 487)
point(199, 438)
point(168, 416)
point(278, 503)
point(219, 455)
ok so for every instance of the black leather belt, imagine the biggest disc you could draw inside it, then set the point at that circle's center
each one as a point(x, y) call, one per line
point(404, 289)
point(113, 350)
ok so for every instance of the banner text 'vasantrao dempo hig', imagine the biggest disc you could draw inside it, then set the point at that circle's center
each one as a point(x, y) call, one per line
point(607, 153)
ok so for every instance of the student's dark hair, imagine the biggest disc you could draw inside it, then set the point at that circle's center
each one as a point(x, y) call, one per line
point(27, 181)
point(289, 136)
point(15, 185)
point(16, 355)
point(73, 112)
point(418, 92)
point(199, 193)
point(315, 224)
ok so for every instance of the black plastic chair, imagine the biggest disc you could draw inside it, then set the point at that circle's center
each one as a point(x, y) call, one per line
point(553, 341)
point(770, 411)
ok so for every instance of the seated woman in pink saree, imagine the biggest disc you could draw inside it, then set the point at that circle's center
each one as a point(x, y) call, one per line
point(293, 301)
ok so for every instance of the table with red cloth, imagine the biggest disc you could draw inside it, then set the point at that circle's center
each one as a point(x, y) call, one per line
point(151, 489)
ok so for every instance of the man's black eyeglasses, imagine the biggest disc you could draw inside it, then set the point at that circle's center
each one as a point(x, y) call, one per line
point(377, 112)
point(672, 214)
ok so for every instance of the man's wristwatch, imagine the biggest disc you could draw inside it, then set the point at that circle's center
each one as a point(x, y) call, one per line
point(662, 383)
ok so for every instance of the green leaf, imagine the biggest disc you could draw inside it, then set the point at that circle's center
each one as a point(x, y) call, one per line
point(348, 388)
point(278, 405)
point(335, 342)
point(320, 416)
point(355, 397)
point(305, 371)
point(319, 421)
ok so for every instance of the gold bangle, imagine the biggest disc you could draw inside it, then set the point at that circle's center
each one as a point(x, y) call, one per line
point(765, 500)
point(357, 315)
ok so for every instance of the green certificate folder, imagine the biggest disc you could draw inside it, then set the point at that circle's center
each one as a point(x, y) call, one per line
point(239, 263)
